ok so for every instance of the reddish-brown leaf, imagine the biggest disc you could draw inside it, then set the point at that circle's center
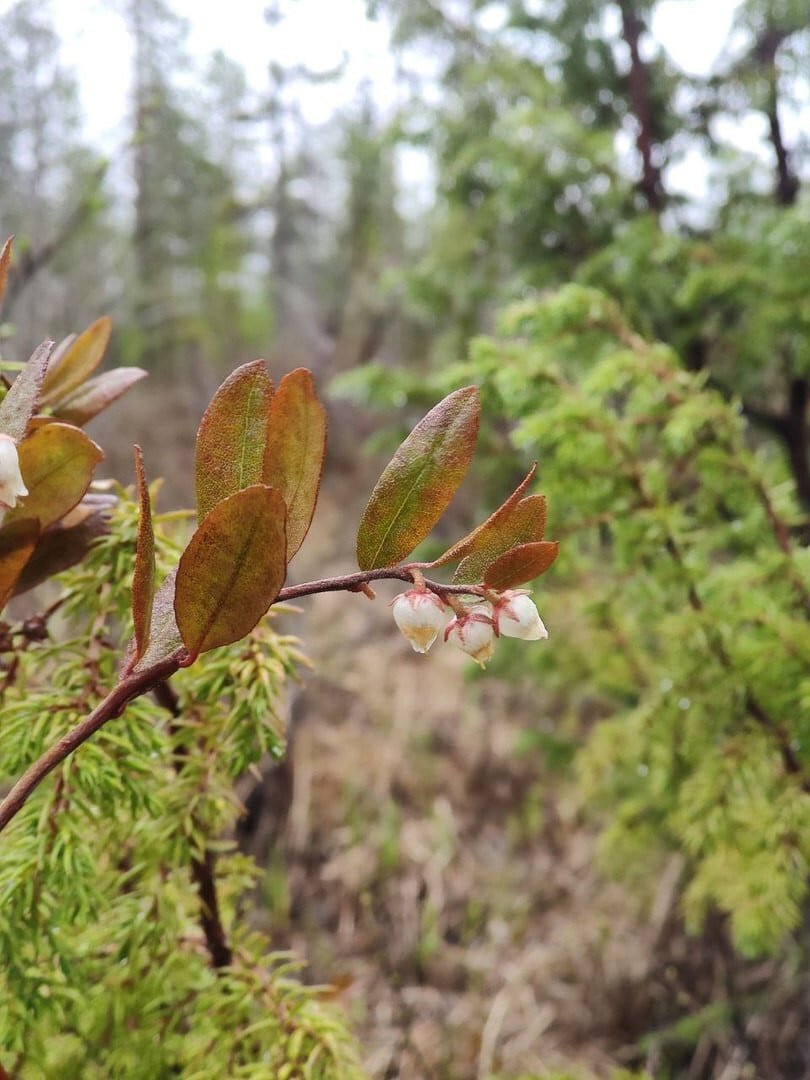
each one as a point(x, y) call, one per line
point(164, 637)
point(96, 394)
point(75, 364)
point(66, 542)
point(20, 403)
point(419, 481)
point(293, 456)
point(524, 523)
point(475, 539)
point(520, 565)
point(5, 262)
point(17, 541)
point(232, 569)
point(57, 462)
point(231, 437)
point(143, 578)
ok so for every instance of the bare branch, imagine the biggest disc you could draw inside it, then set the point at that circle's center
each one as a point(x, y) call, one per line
point(202, 870)
point(113, 705)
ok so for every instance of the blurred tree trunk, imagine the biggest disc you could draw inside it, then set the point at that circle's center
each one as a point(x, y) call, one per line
point(371, 241)
point(650, 184)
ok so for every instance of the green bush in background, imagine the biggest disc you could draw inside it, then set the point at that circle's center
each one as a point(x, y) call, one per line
point(680, 603)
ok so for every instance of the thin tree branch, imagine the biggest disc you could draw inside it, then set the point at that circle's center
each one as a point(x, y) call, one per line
point(787, 183)
point(790, 427)
point(132, 686)
point(203, 871)
point(796, 437)
point(355, 583)
point(136, 684)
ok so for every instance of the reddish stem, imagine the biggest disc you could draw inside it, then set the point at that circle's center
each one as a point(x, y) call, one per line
point(132, 686)
point(355, 582)
point(135, 684)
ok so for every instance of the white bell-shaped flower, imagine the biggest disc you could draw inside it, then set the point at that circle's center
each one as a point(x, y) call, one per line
point(421, 616)
point(516, 616)
point(11, 481)
point(474, 632)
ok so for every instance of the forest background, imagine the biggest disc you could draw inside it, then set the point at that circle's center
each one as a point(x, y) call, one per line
point(594, 857)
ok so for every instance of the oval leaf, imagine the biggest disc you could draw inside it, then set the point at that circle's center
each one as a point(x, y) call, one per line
point(17, 542)
point(164, 637)
point(143, 578)
point(231, 436)
point(524, 524)
point(293, 456)
point(75, 364)
point(57, 463)
point(492, 525)
point(419, 481)
point(20, 403)
point(520, 565)
point(5, 262)
point(96, 394)
point(232, 569)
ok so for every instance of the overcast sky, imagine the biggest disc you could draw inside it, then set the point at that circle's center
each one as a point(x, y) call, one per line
point(315, 32)
point(320, 33)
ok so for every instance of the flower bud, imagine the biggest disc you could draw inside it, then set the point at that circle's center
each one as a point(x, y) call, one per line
point(11, 481)
point(516, 616)
point(474, 632)
point(421, 616)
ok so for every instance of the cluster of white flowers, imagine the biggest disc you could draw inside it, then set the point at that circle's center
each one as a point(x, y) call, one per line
point(422, 616)
point(11, 481)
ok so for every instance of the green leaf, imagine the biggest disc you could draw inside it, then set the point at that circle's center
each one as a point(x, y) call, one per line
point(74, 365)
point(524, 523)
point(232, 569)
point(143, 578)
point(57, 462)
point(5, 262)
point(164, 637)
point(293, 456)
point(478, 538)
point(20, 403)
point(231, 437)
point(96, 394)
point(419, 481)
point(520, 565)
point(17, 541)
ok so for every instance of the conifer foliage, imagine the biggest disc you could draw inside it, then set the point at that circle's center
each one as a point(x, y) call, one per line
point(686, 579)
